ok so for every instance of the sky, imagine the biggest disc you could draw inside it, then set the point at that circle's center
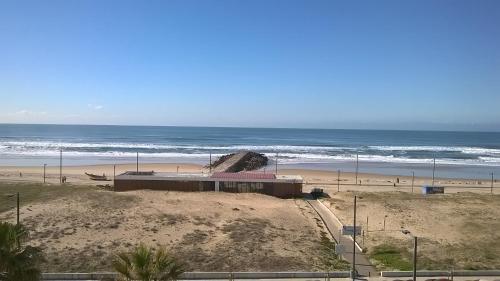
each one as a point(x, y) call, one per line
point(426, 64)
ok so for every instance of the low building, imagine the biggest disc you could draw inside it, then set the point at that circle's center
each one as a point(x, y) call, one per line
point(283, 186)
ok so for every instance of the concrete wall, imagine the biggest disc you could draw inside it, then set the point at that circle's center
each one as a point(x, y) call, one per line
point(270, 275)
point(283, 190)
point(203, 275)
point(440, 273)
point(278, 189)
point(192, 186)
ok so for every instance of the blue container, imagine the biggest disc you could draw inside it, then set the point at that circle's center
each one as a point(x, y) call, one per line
point(430, 189)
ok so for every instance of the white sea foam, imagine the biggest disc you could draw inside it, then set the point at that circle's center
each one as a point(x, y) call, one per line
point(318, 158)
point(302, 148)
point(57, 145)
point(465, 150)
point(287, 153)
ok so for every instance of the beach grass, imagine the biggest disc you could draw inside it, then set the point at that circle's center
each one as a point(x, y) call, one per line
point(390, 257)
point(331, 261)
point(30, 192)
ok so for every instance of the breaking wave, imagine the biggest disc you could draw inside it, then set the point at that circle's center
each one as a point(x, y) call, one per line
point(452, 155)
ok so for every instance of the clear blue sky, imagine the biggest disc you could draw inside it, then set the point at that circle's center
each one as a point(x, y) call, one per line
point(323, 64)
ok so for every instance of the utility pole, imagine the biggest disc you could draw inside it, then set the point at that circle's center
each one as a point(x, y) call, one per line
point(276, 162)
point(60, 165)
point(338, 180)
point(137, 162)
point(492, 183)
point(414, 258)
point(18, 208)
point(366, 224)
point(406, 232)
point(114, 173)
point(354, 244)
point(44, 168)
point(210, 161)
point(412, 181)
point(433, 171)
point(357, 166)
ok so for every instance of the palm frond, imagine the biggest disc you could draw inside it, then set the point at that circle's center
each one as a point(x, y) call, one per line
point(142, 260)
point(17, 262)
point(146, 264)
point(123, 265)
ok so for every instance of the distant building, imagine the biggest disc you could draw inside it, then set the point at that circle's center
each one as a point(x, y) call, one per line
point(283, 186)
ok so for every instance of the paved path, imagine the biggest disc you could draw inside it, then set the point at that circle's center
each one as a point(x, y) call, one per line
point(363, 266)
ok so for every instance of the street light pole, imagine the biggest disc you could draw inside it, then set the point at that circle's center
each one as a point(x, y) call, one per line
point(354, 243)
point(414, 253)
point(414, 258)
point(491, 183)
point(60, 165)
point(433, 171)
point(338, 180)
point(18, 208)
point(276, 162)
point(357, 167)
point(412, 181)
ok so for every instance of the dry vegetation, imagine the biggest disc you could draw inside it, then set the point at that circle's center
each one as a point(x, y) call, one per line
point(454, 230)
point(80, 227)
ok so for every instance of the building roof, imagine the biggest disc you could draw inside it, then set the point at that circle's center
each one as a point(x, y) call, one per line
point(218, 176)
point(289, 177)
point(244, 176)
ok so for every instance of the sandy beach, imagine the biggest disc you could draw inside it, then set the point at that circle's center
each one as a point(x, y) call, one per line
point(457, 230)
point(312, 178)
point(78, 222)
point(80, 228)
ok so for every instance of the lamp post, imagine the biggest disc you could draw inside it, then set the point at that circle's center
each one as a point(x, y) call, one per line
point(60, 166)
point(18, 208)
point(276, 163)
point(338, 180)
point(412, 180)
point(354, 243)
point(491, 189)
point(433, 170)
point(12, 195)
point(414, 253)
point(357, 167)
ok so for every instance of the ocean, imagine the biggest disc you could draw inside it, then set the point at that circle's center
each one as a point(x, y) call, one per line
point(457, 154)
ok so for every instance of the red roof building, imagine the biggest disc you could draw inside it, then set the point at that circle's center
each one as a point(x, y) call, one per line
point(243, 176)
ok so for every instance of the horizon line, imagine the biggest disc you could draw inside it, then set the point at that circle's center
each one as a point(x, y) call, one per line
point(250, 127)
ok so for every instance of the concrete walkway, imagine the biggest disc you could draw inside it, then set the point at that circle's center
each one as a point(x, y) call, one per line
point(363, 265)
